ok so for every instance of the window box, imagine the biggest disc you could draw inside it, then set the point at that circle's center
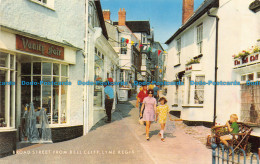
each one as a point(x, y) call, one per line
point(193, 67)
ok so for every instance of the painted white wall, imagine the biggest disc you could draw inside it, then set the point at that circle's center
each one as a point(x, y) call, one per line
point(65, 22)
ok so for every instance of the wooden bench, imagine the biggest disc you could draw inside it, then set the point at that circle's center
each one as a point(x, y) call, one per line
point(239, 140)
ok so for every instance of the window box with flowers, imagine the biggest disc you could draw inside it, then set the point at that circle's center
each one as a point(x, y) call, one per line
point(247, 56)
point(193, 64)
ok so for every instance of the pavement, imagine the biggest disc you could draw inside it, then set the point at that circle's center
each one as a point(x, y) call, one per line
point(121, 141)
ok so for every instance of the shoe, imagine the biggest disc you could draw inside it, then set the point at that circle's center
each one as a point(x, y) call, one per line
point(162, 139)
point(107, 121)
point(148, 138)
point(159, 134)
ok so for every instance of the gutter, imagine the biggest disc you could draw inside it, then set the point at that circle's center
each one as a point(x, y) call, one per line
point(216, 66)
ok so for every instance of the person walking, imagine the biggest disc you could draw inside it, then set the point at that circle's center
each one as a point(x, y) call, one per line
point(149, 108)
point(162, 111)
point(156, 92)
point(140, 97)
point(109, 99)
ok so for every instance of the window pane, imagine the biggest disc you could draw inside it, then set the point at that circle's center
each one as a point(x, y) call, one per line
point(63, 101)
point(46, 68)
point(2, 100)
point(189, 79)
point(243, 78)
point(36, 68)
point(55, 108)
point(37, 93)
point(258, 75)
point(64, 70)
point(199, 97)
point(46, 97)
point(12, 61)
point(26, 68)
point(26, 92)
point(56, 69)
point(3, 59)
point(12, 100)
point(199, 79)
point(251, 77)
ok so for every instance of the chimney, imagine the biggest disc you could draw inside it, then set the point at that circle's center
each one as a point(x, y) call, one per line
point(106, 15)
point(121, 17)
point(187, 10)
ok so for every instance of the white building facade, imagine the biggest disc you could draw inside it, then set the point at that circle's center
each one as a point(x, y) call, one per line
point(192, 57)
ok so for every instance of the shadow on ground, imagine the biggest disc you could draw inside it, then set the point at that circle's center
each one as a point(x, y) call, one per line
point(122, 110)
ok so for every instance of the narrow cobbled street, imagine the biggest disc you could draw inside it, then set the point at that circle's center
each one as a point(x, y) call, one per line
point(121, 141)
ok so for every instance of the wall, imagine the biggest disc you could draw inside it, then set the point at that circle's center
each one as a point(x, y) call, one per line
point(33, 18)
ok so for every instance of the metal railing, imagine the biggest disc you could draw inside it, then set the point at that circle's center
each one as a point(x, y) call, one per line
point(217, 157)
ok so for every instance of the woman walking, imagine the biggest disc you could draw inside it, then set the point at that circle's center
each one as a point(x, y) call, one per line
point(149, 104)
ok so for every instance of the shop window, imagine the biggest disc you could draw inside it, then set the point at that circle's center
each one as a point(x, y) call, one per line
point(199, 37)
point(53, 98)
point(179, 51)
point(250, 77)
point(7, 92)
point(199, 90)
point(250, 104)
point(99, 76)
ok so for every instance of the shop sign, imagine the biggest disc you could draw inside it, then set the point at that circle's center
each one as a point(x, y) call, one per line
point(39, 47)
point(247, 60)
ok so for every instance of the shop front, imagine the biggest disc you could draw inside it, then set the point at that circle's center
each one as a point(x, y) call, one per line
point(36, 71)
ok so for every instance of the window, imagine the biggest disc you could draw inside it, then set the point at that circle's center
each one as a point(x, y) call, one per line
point(243, 78)
point(199, 90)
point(258, 75)
point(188, 100)
point(99, 76)
point(199, 37)
point(183, 91)
point(250, 103)
point(179, 51)
point(46, 3)
point(53, 98)
point(123, 46)
point(176, 94)
point(91, 15)
point(250, 77)
point(7, 92)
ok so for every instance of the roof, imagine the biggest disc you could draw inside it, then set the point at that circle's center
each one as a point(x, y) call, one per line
point(137, 26)
point(206, 5)
point(101, 18)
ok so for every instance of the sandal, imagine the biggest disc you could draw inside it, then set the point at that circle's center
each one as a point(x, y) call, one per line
point(162, 139)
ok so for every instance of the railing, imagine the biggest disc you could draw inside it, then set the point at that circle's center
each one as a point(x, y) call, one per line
point(216, 156)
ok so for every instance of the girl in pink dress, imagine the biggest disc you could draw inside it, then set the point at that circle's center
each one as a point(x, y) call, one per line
point(149, 104)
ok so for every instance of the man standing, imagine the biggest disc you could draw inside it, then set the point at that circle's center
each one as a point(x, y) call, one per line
point(140, 97)
point(109, 99)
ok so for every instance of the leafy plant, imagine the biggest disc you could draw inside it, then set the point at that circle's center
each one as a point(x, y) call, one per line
point(192, 61)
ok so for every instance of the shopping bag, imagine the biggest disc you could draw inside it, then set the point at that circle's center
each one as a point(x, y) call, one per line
point(141, 121)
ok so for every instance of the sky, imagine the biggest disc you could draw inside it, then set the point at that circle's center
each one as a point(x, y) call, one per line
point(165, 16)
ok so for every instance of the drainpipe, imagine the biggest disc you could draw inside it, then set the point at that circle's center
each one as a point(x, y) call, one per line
point(86, 88)
point(216, 67)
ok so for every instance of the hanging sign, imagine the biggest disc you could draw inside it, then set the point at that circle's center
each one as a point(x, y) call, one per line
point(39, 47)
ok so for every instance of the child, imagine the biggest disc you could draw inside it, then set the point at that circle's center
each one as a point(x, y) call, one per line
point(233, 129)
point(162, 112)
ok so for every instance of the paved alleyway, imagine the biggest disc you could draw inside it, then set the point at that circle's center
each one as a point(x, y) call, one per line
point(122, 141)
